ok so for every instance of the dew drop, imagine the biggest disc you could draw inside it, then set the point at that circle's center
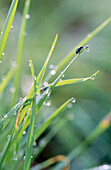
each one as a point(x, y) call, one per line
point(69, 105)
point(13, 64)
point(12, 26)
point(3, 54)
point(42, 143)
point(1, 32)
point(0, 62)
point(5, 116)
point(46, 84)
point(52, 72)
point(24, 132)
point(73, 100)
point(51, 66)
point(29, 64)
point(24, 158)
point(3, 78)
point(63, 75)
point(87, 48)
point(15, 156)
point(60, 80)
point(31, 156)
point(9, 136)
point(92, 78)
point(12, 89)
point(15, 113)
point(34, 144)
point(47, 102)
point(1, 119)
point(27, 16)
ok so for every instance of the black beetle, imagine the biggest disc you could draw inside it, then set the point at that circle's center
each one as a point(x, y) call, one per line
point(79, 50)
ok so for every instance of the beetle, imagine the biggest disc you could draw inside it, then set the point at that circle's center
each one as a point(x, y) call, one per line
point(79, 50)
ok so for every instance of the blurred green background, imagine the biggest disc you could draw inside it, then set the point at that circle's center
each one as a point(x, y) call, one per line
point(72, 20)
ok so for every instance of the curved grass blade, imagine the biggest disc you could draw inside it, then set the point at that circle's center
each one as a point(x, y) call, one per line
point(103, 125)
point(7, 26)
point(78, 80)
point(20, 51)
point(82, 43)
point(30, 139)
point(39, 77)
point(5, 120)
point(7, 79)
point(43, 127)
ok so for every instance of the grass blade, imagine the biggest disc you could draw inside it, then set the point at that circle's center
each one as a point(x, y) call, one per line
point(78, 80)
point(82, 43)
point(39, 77)
point(51, 118)
point(7, 26)
point(20, 51)
point(30, 139)
point(7, 79)
point(103, 125)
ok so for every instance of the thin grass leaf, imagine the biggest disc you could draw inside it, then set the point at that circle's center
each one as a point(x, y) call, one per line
point(7, 26)
point(7, 79)
point(30, 139)
point(78, 80)
point(3, 155)
point(39, 77)
point(103, 125)
point(43, 127)
point(5, 120)
point(82, 43)
point(20, 51)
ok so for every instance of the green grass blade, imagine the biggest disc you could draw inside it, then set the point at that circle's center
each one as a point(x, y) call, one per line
point(51, 118)
point(20, 51)
point(82, 43)
point(78, 80)
point(39, 77)
point(103, 125)
point(5, 120)
point(7, 79)
point(7, 26)
point(30, 139)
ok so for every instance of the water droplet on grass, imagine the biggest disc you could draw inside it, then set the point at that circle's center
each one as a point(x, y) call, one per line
point(24, 158)
point(15, 156)
point(0, 62)
point(1, 32)
point(3, 54)
point(51, 66)
point(34, 144)
point(9, 136)
point(29, 64)
point(47, 102)
point(24, 132)
point(87, 48)
point(46, 84)
point(12, 26)
point(27, 16)
point(73, 100)
point(12, 89)
point(69, 105)
point(52, 72)
point(13, 64)
point(42, 143)
point(3, 78)
point(63, 75)
point(5, 116)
